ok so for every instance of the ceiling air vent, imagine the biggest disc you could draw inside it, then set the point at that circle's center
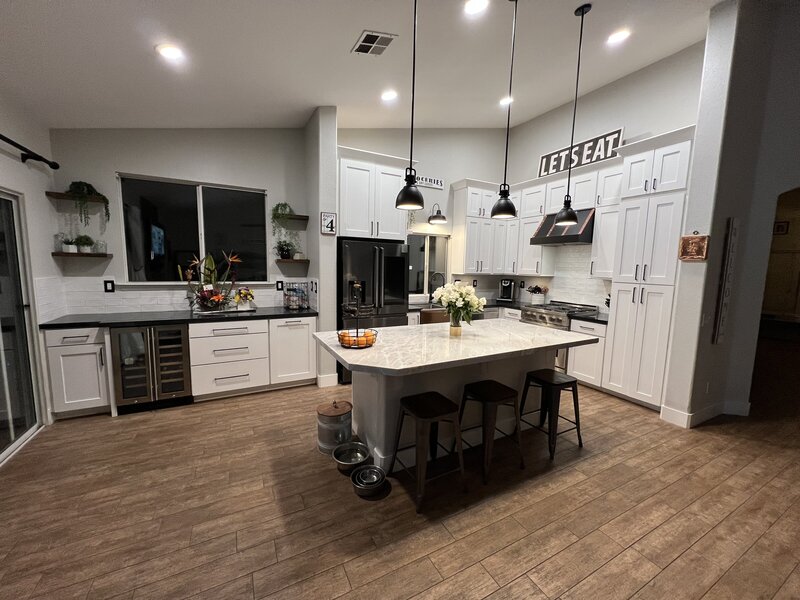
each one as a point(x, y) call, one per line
point(373, 42)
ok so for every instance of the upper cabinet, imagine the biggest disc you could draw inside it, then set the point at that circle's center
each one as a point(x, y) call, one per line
point(534, 260)
point(660, 170)
point(582, 190)
point(480, 202)
point(647, 241)
point(609, 186)
point(532, 201)
point(555, 192)
point(604, 241)
point(367, 193)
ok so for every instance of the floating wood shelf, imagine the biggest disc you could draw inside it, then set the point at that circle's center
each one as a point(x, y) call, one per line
point(83, 254)
point(295, 221)
point(292, 261)
point(63, 196)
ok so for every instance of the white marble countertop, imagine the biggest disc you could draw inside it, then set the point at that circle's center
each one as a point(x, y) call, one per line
point(419, 348)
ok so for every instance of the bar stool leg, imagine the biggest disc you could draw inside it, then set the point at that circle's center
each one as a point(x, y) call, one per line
point(552, 419)
point(397, 440)
point(577, 413)
point(518, 415)
point(460, 449)
point(423, 438)
point(524, 395)
point(489, 425)
point(434, 440)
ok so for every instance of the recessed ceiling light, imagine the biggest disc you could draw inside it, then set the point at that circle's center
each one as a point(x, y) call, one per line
point(170, 52)
point(618, 37)
point(475, 7)
point(389, 95)
point(506, 101)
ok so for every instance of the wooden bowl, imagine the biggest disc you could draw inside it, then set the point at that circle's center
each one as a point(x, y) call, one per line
point(364, 338)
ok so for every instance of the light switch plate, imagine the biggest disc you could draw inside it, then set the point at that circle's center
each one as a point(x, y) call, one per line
point(279, 286)
point(109, 286)
point(474, 283)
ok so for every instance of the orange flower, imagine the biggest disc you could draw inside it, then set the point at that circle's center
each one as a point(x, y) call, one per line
point(233, 258)
point(218, 298)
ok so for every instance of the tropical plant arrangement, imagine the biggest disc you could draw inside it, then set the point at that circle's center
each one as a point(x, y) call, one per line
point(81, 192)
point(460, 302)
point(209, 290)
point(281, 231)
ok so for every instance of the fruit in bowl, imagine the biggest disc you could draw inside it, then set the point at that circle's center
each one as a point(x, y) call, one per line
point(361, 338)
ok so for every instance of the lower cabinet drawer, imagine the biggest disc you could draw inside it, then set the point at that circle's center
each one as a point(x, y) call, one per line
point(228, 328)
point(74, 337)
point(588, 327)
point(233, 348)
point(229, 377)
point(512, 313)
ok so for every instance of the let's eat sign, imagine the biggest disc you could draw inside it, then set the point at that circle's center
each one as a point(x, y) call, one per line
point(587, 152)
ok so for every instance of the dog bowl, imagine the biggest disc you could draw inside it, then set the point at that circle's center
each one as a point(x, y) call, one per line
point(368, 480)
point(350, 455)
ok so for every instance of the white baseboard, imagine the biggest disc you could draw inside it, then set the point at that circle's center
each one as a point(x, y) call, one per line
point(676, 417)
point(689, 420)
point(324, 381)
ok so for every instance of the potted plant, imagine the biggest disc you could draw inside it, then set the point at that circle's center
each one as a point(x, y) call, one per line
point(82, 192)
point(285, 248)
point(209, 292)
point(68, 245)
point(244, 298)
point(460, 302)
point(84, 244)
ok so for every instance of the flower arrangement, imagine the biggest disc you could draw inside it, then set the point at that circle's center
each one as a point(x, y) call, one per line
point(243, 294)
point(210, 291)
point(537, 293)
point(460, 302)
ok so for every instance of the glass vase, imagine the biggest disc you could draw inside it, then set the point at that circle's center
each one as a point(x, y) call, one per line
point(455, 326)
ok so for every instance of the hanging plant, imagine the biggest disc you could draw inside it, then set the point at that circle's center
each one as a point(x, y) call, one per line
point(82, 192)
point(280, 231)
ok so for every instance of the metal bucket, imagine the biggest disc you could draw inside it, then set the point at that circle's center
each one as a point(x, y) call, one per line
point(334, 422)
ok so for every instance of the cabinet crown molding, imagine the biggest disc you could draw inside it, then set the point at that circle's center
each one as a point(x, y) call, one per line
point(370, 156)
point(657, 141)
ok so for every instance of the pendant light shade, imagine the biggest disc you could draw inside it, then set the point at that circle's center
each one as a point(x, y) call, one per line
point(437, 218)
point(410, 198)
point(504, 208)
point(566, 216)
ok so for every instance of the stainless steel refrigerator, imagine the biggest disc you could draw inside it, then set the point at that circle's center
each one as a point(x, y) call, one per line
point(381, 268)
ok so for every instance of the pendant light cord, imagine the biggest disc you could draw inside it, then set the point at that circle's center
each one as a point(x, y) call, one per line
point(413, 86)
point(510, 82)
point(583, 12)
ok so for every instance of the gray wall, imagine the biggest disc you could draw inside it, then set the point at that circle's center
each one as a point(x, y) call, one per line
point(271, 159)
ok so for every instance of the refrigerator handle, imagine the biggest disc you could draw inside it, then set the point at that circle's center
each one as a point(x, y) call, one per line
point(151, 351)
point(382, 290)
point(375, 275)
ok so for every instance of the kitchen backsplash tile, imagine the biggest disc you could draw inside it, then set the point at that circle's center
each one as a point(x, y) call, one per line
point(572, 282)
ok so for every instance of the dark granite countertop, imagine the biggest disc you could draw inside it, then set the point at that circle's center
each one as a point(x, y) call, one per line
point(602, 319)
point(131, 319)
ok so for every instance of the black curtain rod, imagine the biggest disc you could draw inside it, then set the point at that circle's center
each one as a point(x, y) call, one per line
point(28, 154)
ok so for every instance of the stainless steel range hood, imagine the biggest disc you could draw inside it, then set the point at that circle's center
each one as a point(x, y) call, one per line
point(551, 234)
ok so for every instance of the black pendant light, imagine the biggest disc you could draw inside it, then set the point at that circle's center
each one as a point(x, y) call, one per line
point(504, 208)
point(410, 198)
point(566, 216)
point(437, 218)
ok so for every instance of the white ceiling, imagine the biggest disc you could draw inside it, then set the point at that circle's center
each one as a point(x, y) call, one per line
point(268, 63)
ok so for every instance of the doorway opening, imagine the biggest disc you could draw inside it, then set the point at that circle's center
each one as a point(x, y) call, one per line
point(775, 382)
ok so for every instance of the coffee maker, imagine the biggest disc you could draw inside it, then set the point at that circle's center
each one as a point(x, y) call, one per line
point(506, 291)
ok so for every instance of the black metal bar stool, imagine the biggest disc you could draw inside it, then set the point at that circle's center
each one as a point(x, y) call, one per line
point(428, 409)
point(492, 394)
point(552, 384)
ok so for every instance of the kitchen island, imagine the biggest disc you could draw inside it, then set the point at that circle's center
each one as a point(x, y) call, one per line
point(418, 358)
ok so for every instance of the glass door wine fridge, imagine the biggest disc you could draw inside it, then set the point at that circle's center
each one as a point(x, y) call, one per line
point(150, 363)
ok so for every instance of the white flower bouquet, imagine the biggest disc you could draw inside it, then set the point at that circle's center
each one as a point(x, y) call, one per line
point(460, 302)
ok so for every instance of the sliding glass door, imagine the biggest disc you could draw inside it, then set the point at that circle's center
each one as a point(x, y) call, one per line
point(17, 405)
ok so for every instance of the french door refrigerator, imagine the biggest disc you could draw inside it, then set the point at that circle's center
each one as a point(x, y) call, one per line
point(381, 269)
point(150, 363)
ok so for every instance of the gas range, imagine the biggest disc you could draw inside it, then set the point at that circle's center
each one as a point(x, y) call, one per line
point(556, 314)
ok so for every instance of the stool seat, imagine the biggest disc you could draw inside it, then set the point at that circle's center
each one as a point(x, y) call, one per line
point(429, 406)
point(490, 391)
point(551, 377)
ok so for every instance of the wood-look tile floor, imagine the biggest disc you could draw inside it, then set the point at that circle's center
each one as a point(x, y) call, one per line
point(231, 500)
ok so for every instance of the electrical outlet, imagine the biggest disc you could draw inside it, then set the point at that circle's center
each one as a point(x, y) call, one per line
point(109, 286)
point(474, 283)
point(521, 285)
point(279, 286)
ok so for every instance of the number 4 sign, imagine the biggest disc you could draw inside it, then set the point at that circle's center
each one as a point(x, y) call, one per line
point(327, 223)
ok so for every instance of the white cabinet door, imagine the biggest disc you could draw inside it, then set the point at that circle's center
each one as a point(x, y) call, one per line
point(474, 202)
point(532, 201)
point(660, 257)
point(619, 337)
point(671, 167)
point(390, 223)
point(556, 190)
point(78, 376)
point(488, 198)
point(604, 241)
point(649, 355)
point(413, 318)
point(609, 186)
point(630, 240)
point(511, 247)
point(293, 354)
point(472, 242)
point(583, 189)
point(485, 245)
point(356, 192)
point(636, 173)
point(516, 200)
point(529, 257)
point(585, 363)
point(499, 234)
